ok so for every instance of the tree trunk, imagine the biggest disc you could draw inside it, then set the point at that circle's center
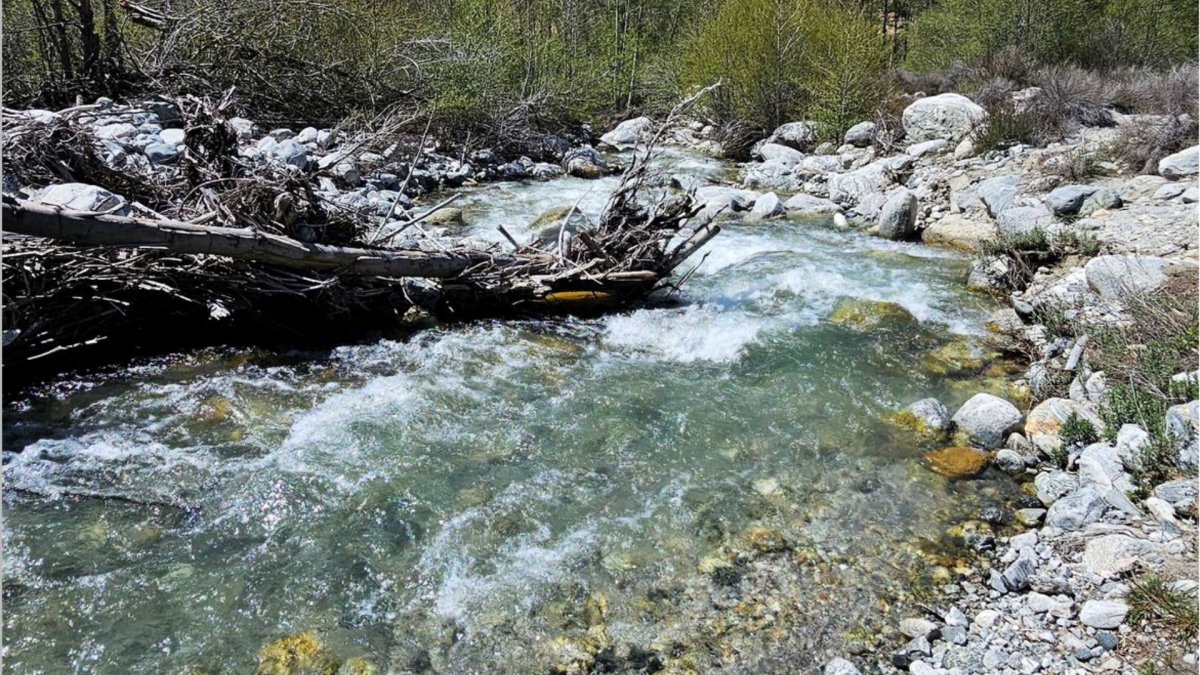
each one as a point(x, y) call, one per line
point(91, 229)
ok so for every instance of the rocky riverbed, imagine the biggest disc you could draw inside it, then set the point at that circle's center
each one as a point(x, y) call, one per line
point(680, 489)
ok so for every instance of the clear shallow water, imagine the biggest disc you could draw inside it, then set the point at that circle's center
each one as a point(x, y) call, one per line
point(457, 502)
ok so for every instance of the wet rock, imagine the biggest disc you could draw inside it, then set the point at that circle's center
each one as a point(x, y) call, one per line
point(629, 133)
point(584, 162)
point(546, 171)
point(83, 197)
point(767, 206)
point(953, 358)
point(925, 417)
point(958, 462)
point(1103, 613)
point(1182, 164)
point(1115, 277)
point(868, 315)
point(1009, 461)
point(1044, 423)
point(357, 666)
point(295, 655)
point(948, 116)
point(898, 216)
point(972, 534)
point(987, 419)
point(861, 135)
point(765, 539)
point(1030, 517)
point(1081, 507)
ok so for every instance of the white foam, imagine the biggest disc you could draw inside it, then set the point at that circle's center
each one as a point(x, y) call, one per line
point(685, 335)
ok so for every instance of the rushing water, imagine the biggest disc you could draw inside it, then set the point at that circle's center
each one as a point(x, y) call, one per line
point(458, 501)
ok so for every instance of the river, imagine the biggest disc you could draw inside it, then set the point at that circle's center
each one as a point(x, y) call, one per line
point(477, 497)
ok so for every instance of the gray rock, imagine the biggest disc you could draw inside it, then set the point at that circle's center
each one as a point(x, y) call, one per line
point(1107, 640)
point(1009, 461)
point(1140, 188)
point(244, 128)
point(116, 132)
point(898, 216)
point(161, 153)
point(584, 162)
point(546, 171)
point(1102, 198)
point(998, 194)
point(1191, 195)
point(840, 666)
point(307, 135)
point(1068, 199)
point(1180, 493)
point(629, 133)
point(1103, 613)
point(774, 152)
point(281, 134)
point(808, 205)
point(935, 147)
point(861, 135)
point(916, 627)
point(1182, 164)
point(1170, 191)
point(1016, 575)
point(291, 153)
point(987, 419)
point(1043, 425)
point(1183, 425)
point(1100, 465)
point(172, 136)
point(955, 635)
point(1114, 277)
point(725, 199)
point(766, 206)
point(948, 116)
point(848, 188)
point(83, 197)
point(797, 135)
point(960, 232)
point(1017, 220)
point(1082, 507)
point(1113, 554)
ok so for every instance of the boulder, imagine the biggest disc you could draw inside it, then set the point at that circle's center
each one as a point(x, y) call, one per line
point(775, 152)
point(716, 198)
point(898, 216)
point(987, 419)
point(1170, 191)
point(629, 133)
point(998, 194)
point(1114, 277)
point(948, 116)
point(798, 135)
point(861, 135)
point(1180, 493)
point(772, 175)
point(808, 205)
point(1103, 613)
point(1082, 507)
point(584, 162)
point(1113, 554)
point(1099, 465)
point(766, 206)
point(1044, 423)
point(1054, 485)
point(1068, 199)
point(848, 188)
point(957, 231)
point(83, 197)
point(1183, 164)
point(290, 152)
point(1100, 200)
point(1140, 188)
point(1017, 220)
point(307, 135)
point(930, 413)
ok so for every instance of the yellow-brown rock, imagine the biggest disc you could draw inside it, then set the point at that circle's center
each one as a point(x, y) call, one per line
point(958, 461)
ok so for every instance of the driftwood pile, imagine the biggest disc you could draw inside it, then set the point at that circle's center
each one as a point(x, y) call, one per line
point(217, 247)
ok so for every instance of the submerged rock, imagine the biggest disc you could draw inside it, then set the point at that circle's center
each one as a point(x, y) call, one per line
point(300, 654)
point(958, 461)
point(867, 315)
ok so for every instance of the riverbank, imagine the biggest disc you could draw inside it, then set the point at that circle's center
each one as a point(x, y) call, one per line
point(680, 488)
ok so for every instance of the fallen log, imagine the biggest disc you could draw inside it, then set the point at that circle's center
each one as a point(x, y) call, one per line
point(100, 229)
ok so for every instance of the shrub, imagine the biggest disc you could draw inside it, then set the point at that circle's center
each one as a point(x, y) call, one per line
point(1005, 127)
point(1141, 144)
point(1077, 432)
point(1153, 602)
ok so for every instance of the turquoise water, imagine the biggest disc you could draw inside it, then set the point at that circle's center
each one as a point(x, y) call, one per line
point(459, 501)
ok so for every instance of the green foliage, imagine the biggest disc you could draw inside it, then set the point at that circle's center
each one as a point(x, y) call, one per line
point(1093, 33)
point(783, 60)
point(1153, 602)
point(1077, 431)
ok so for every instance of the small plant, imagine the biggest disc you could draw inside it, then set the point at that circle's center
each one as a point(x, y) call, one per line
point(1153, 602)
point(1005, 128)
point(1077, 431)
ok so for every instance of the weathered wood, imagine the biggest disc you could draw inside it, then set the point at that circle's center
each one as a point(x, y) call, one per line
point(97, 229)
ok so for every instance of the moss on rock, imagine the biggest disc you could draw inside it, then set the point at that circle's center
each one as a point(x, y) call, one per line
point(866, 315)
